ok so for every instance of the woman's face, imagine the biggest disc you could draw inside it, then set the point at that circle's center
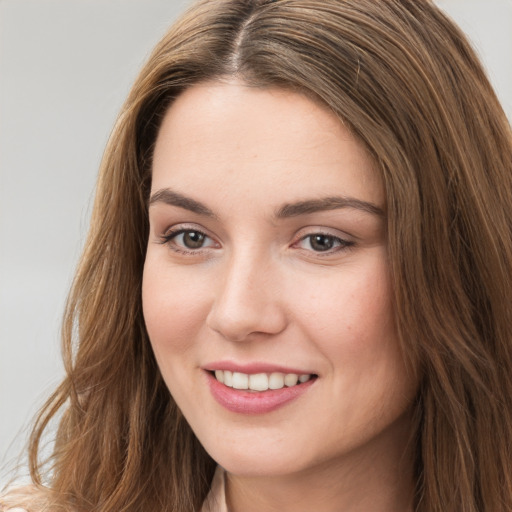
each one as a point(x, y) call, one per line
point(267, 265)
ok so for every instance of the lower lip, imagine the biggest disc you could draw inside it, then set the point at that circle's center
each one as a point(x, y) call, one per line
point(259, 402)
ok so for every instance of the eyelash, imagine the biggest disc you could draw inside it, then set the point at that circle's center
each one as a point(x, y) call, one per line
point(170, 237)
point(341, 244)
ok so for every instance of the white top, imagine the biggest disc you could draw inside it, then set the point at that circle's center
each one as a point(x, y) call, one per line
point(216, 499)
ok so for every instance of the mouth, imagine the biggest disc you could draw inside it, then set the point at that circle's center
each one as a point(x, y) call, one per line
point(260, 382)
point(257, 391)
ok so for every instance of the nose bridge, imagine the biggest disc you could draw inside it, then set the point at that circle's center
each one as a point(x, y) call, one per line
point(247, 297)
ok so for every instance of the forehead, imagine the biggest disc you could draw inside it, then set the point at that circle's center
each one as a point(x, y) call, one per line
point(275, 145)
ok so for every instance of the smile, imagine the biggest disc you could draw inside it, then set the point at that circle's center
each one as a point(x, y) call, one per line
point(259, 392)
point(260, 381)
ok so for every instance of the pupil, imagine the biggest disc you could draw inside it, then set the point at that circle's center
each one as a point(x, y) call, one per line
point(193, 239)
point(322, 242)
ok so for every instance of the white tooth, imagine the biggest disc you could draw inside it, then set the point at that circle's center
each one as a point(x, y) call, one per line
point(219, 375)
point(276, 381)
point(240, 380)
point(304, 378)
point(228, 378)
point(291, 379)
point(258, 382)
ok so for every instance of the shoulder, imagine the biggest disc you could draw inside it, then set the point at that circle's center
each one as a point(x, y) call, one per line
point(24, 499)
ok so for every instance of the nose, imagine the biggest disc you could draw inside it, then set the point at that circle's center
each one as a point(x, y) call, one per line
point(249, 300)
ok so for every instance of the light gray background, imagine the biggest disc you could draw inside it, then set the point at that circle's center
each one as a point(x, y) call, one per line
point(65, 69)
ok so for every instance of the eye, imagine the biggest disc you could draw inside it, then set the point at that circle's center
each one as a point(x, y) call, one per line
point(321, 242)
point(187, 240)
point(191, 239)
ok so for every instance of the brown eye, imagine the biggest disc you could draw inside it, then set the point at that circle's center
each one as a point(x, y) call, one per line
point(321, 243)
point(193, 239)
point(188, 240)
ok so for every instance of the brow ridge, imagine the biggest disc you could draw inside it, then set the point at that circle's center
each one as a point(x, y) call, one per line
point(173, 198)
point(327, 203)
point(295, 209)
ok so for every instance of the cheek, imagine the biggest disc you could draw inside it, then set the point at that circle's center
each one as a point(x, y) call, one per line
point(350, 314)
point(172, 309)
point(351, 322)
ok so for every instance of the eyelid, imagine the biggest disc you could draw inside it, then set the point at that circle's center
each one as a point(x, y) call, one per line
point(185, 226)
point(345, 241)
point(322, 230)
point(171, 233)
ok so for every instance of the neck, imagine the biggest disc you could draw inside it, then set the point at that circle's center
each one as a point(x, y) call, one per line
point(375, 478)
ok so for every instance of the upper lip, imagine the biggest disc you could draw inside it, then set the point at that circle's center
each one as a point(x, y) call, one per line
point(255, 367)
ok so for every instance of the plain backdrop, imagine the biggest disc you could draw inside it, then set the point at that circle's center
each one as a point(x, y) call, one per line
point(65, 69)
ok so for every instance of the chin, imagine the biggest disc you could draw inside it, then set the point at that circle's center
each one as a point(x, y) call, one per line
point(257, 466)
point(257, 460)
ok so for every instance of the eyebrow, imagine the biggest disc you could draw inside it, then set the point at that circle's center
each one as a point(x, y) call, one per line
point(327, 203)
point(172, 198)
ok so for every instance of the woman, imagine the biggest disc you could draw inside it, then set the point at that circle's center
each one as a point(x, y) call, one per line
point(297, 274)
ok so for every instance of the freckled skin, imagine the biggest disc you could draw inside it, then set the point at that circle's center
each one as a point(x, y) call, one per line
point(258, 291)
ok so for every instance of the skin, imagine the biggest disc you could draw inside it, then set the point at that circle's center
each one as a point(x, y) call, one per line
point(259, 290)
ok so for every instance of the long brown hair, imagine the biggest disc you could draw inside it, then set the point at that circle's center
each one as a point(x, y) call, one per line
point(404, 79)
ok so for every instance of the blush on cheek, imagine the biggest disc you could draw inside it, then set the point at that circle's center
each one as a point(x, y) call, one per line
point(169, 328)
point(172, 320)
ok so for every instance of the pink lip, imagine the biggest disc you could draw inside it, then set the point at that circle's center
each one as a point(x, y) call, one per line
point(247, 402)
point(253, 368)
